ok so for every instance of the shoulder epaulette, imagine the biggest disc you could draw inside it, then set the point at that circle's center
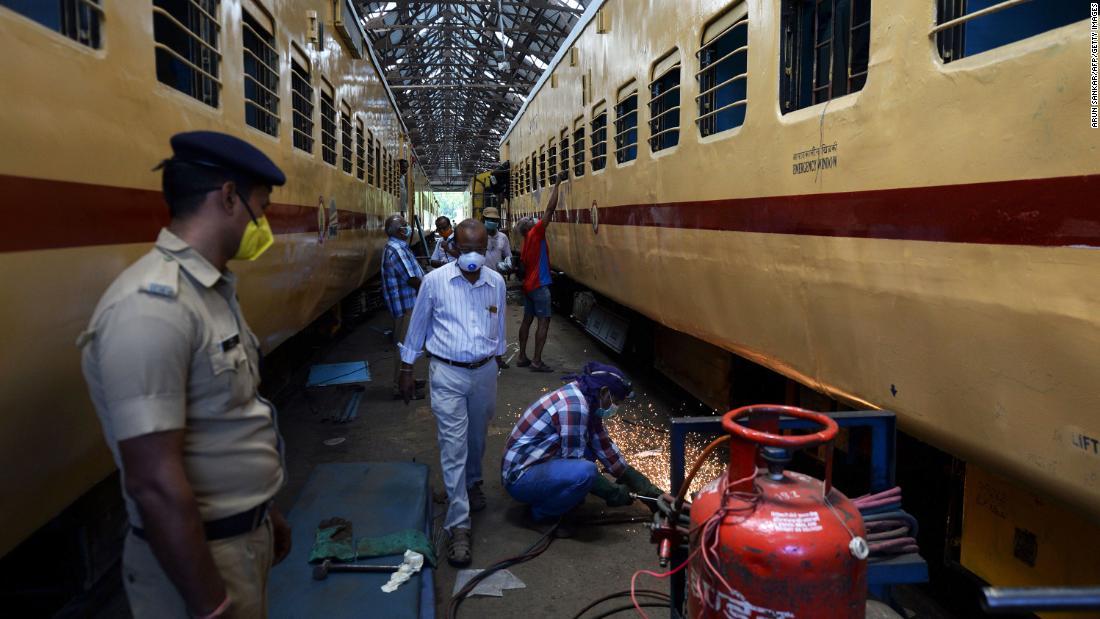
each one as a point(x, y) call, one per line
point(162, 279)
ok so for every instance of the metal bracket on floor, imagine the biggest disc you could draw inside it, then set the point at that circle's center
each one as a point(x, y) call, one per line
point(341, 375)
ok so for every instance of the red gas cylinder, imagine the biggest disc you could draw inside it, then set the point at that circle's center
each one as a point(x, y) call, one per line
point(767, 542)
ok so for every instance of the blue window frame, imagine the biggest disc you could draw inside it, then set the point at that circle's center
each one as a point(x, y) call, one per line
point(599, 137)
point(186, 43)
point(664, 105)
point(968, 27)
point(79, 20)
point(626, 125)
point(723, 73)
point(824, 51)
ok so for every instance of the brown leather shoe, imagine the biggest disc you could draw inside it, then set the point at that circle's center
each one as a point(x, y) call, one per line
point(460, 550)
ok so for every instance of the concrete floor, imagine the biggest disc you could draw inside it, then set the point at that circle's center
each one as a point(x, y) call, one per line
point(599, 561)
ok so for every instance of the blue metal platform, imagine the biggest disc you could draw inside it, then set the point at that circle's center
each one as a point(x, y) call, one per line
point(379, 498)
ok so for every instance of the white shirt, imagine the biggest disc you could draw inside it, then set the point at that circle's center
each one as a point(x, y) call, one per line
point(499, 249)
point(439, 254)
point(457, 320)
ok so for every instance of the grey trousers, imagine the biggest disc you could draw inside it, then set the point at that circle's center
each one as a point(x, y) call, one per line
point(463, 402)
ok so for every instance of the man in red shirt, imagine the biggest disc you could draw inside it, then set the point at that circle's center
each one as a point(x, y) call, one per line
point(536, 284)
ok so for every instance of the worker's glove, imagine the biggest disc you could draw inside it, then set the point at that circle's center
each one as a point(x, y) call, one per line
point(615, 495)
point(640, 485)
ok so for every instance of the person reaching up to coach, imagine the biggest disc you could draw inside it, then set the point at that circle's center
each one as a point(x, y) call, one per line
point(535, 257)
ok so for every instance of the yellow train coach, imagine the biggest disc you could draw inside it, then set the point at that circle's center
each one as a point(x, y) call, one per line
point(892, 203)
point(91, 92)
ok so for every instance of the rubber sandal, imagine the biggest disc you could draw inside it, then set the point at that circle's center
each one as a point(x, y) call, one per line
point(523, 364)
point(458, 552)
point(542, 368)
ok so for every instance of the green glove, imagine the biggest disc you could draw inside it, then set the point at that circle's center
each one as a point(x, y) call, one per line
point(395, 544)
point(616, 495)
point(333, 540)
point(639, 484)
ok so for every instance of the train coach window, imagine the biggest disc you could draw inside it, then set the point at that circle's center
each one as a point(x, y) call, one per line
point(395, 175)
point(345, 137)
point(578, 146)
point(360, 150)
point(824, 50)
point(724, 72)
point(377, 167)
point(626, 124)
point(542, 166)
point(552, 162)
point(968, 27)
point(387, 168)
point(261, 74)
point(664, 103)
point(185, 34)
point(301, 103)
point(328, 124)
point(77, 19)
point(370, 159)
point(563, 174)
point(599, 136)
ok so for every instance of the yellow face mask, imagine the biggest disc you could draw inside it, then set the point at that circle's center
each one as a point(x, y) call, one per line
point(257, 238)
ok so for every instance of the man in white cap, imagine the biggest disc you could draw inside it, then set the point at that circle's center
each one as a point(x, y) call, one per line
point(500, 250)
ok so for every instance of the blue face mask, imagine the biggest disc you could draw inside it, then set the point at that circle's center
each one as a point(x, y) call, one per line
point(492, 226)
point(607, 413)
point(406, 230)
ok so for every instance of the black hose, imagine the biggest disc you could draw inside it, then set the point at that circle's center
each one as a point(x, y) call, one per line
point(631, 606)
point(638, 593)
point(614, 520)
point(540, 546)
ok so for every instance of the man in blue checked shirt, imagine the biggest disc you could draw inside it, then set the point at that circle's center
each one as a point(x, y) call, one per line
point(401, 277)
point(459, 320)
point(549, 458)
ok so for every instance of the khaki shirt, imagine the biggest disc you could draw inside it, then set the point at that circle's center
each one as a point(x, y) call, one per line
point(168, 349)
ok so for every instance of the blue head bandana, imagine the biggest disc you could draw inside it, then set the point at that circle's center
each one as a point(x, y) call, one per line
point(595, 376)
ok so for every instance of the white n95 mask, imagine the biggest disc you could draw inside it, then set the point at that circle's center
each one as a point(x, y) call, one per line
point(471, 261)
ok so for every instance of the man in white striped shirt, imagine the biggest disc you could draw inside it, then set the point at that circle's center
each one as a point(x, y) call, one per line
point(459, 319)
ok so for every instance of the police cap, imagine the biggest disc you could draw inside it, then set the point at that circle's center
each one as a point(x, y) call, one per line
point(224, 151)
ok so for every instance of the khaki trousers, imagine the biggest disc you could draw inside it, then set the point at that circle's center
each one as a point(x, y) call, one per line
point(400, 328)
point(243, 561)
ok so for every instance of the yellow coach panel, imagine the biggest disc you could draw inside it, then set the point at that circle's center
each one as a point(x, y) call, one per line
point(937, 257)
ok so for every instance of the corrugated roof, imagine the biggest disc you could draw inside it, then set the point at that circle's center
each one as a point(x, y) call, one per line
point(460, 71)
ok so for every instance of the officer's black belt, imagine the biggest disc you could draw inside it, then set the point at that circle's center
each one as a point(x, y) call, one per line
point(462, 364)
point(223, 528)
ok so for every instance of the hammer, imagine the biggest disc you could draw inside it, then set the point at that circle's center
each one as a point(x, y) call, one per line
point(320, 572)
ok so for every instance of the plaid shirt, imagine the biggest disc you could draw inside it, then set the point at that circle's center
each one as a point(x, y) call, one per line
point(398, 267)
point(559, 425)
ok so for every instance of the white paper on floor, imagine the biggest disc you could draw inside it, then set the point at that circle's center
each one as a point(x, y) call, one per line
point(494, 585)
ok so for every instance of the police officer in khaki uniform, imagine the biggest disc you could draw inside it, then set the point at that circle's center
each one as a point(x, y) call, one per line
point(173, 371)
